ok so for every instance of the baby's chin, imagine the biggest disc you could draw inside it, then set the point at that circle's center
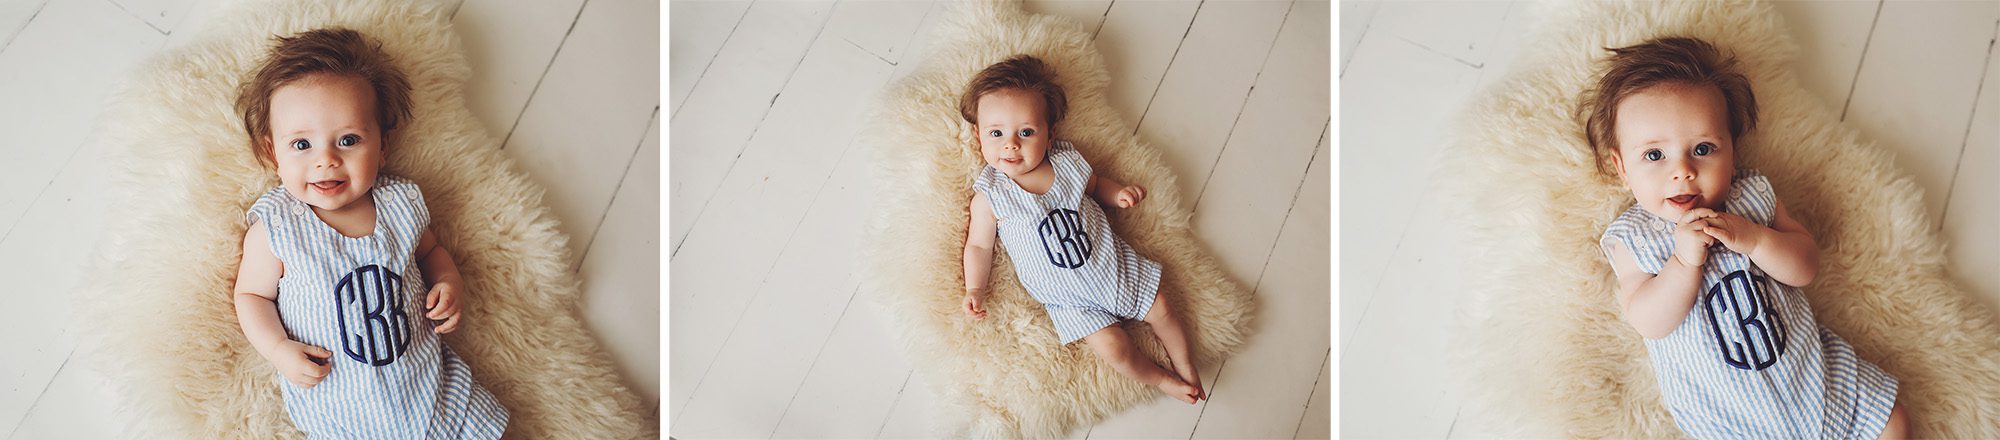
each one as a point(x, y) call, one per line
point(330, 202)
point(1671, 211)
point(1013, 168)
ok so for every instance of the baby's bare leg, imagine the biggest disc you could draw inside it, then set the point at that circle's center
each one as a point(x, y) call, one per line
point(1115, 347)
point(1167, 327)
point(1899, 424)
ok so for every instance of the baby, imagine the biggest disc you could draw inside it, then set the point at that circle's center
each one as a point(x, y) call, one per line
point(1733, 343)
point(1031, 196)
point(335, 253)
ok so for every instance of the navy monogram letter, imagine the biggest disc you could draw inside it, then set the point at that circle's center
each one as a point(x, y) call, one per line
point(381, 332)
point(1064, 239)
point(1754, 337)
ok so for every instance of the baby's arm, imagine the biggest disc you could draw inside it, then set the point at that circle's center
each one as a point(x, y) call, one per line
point(442, 302)
point(979, 238)
point(257, 312)
point(1111, 192)
point(1785, 250)
point(1653, 304)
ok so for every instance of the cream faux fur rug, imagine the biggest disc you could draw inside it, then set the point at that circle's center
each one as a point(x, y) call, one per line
point(1541, 345)
point(158, 320)
point(1005, 376)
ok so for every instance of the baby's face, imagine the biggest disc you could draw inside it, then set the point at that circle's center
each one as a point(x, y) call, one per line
point(1013, 131)
point(325, 139)
point(1674, 148)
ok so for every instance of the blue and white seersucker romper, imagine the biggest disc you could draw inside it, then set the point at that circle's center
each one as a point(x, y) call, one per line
point(1064, 251)
point(362, 299)
point(1749, 361)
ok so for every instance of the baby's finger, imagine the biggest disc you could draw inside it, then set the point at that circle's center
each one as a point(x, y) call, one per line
point(1695, 214)
point(448, 326)
point(446, 306)
point(1695, 225)
point(1719, 233)
point(431, 299)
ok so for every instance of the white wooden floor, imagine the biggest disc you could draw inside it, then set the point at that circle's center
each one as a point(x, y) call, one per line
point(1920, 78)
point(766, 194)
point(573, 85)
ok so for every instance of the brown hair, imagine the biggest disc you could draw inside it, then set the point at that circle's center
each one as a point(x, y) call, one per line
point(1021, 72)
point(1679, 60)
point(334, 51)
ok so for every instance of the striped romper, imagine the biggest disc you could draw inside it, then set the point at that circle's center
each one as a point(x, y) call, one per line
point(362, 299)
point(1749, 361)
point(1064, 251)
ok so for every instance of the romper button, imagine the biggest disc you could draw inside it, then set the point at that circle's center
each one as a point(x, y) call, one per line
point(299, 210)
point(412, 195)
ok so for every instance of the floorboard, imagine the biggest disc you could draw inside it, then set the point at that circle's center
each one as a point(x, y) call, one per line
point(757, 210)
point(1974, 204)
point(59, 68)
point(740, 88)
point(1921, 114)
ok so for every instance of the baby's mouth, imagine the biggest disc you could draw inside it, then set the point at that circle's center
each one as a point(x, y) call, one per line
point(328, 186)
point(1684, 200)
point(1011, 160)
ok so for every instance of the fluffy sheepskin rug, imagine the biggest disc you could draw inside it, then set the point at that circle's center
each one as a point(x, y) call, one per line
point(1541, 345)
point(164, 330)
point(1005, 376)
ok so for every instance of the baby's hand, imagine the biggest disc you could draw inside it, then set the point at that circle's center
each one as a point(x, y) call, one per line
point(442, 305)
point(975, 303)
point(1130, 196)
point(1735, 232)
point(1690, 243)
point(303, 365)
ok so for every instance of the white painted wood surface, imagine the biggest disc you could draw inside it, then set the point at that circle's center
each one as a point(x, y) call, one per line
point(568, 76)
point(1916, 77)
point(766, 338)
point(765, 193)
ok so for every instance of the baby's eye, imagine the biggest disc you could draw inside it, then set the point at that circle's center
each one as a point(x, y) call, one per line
point(301, 144)
point(1654, 155)
point(1027, 132)
point(1702, 149)
point(995, 133)
point(349, 140)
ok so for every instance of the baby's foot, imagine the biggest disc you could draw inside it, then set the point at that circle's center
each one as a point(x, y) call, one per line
point(1179, 390)
point(1191, 377)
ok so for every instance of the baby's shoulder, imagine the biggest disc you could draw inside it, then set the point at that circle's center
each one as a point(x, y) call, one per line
point(982, 180)
point(270, 204)
point(397, 187)
point(394, 182)
point(1634, 219)
point(1751, 180)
